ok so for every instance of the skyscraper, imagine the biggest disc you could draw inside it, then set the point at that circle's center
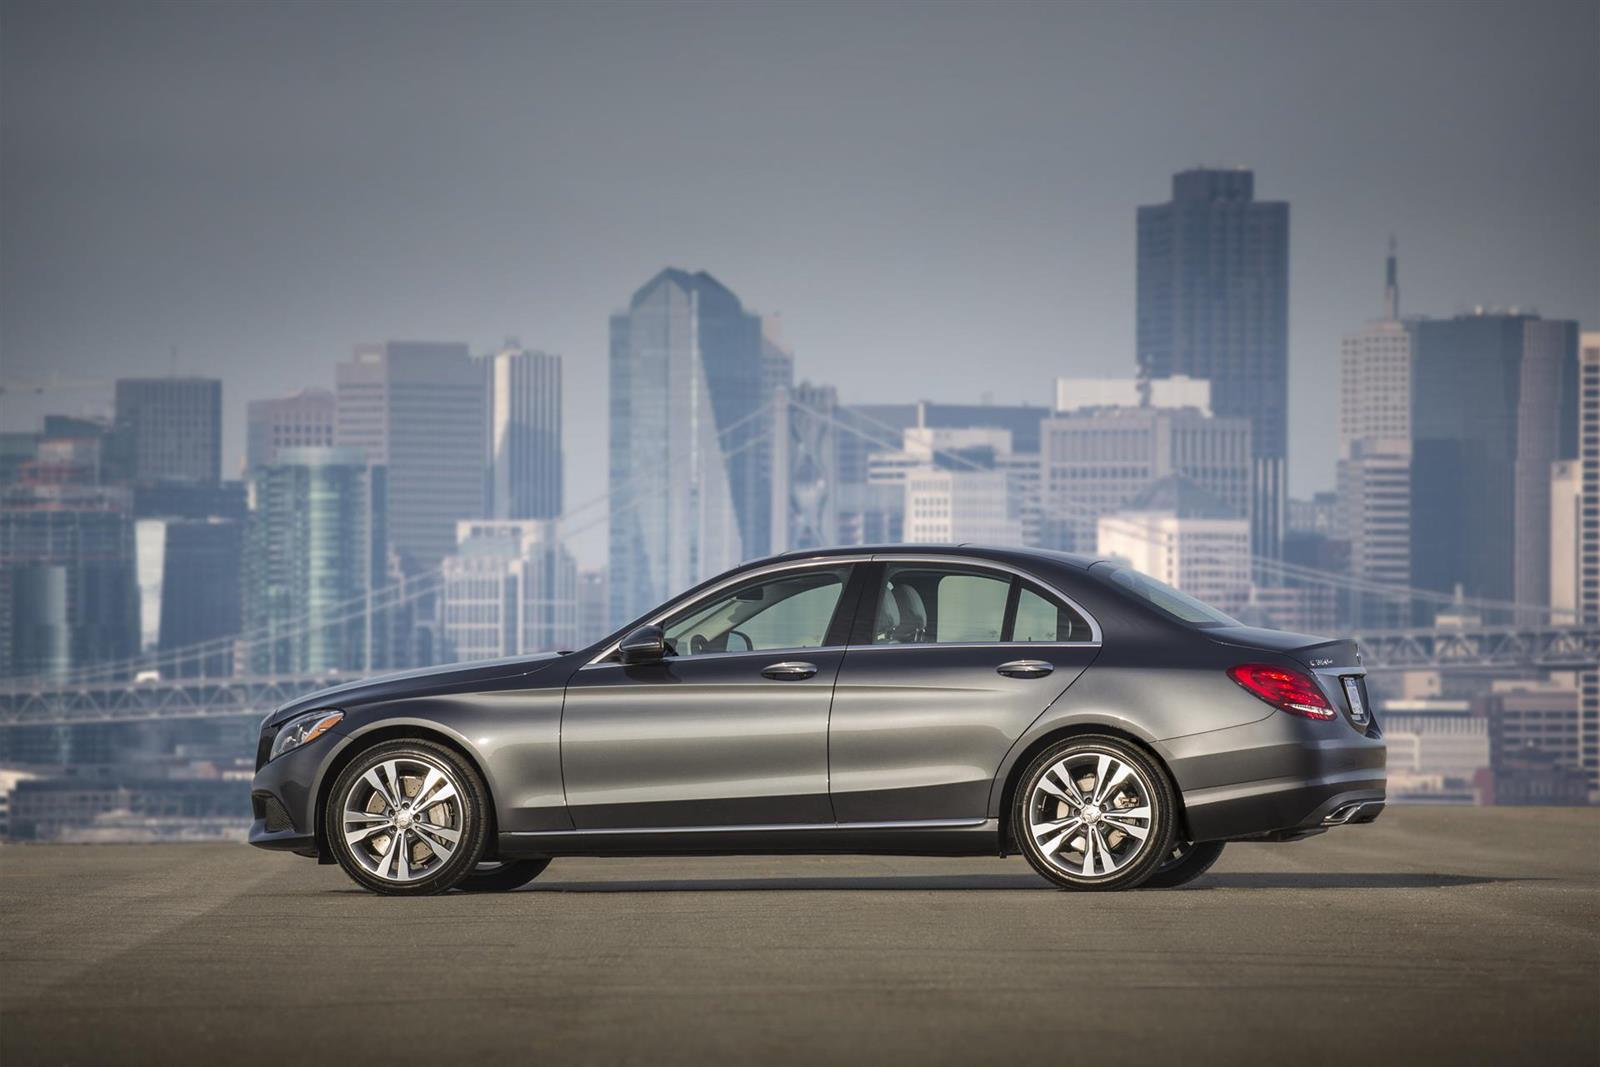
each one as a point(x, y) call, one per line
point(1374, 465)
point(174, 427)
point(1588, 565)
point(417, 409)
point(300, 420)
point(691, 426)
point(68, 592)
point(200, 591)
point(1493, 404)
point(1213, 303)
point(524, 434)
point(315, 546)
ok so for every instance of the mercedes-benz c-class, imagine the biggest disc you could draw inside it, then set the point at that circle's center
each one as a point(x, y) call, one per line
point(900, 700)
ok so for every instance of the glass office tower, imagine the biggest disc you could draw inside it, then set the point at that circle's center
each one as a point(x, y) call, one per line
point(691, 425)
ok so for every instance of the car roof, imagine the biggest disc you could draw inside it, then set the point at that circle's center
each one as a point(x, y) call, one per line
point(991, 552)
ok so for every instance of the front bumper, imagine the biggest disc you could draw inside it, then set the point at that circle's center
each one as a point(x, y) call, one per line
point(283, 797)
point(1280, 778)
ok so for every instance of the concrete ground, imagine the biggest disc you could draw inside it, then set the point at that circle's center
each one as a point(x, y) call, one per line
point(1432, 936)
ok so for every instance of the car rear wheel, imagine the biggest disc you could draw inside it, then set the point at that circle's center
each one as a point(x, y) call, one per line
point(1186, 862)
point(408, 818)
point(1094, 813)
point(502, 876)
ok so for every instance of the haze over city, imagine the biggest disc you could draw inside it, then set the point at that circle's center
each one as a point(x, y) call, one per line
point(728, 511)
point(939, 201)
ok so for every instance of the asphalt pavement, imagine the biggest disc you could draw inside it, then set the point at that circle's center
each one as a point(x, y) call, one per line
point(1436, 935)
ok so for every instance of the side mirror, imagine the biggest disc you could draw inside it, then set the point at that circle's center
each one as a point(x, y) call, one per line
point(644, 645)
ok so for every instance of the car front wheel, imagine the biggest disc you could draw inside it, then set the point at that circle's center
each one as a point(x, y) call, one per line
point(1094, 813)
point(408, 818)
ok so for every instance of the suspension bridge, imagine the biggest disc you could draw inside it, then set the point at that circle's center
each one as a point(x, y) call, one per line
point(156, 686)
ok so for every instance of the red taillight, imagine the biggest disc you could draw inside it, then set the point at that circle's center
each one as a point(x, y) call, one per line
point(1285, 689)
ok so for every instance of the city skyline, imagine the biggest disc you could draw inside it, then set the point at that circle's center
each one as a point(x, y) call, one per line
point(1017, 251)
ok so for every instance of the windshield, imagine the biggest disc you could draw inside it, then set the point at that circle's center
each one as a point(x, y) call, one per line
point(1162, 596)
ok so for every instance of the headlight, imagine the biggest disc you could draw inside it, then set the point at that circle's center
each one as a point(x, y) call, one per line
point(303, 730)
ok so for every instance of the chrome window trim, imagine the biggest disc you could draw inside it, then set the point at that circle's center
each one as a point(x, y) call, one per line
point(1095, 636)
point(914, 824)
point(818, 562)
point(824, 562)
point(792, 653)
point(922, 645)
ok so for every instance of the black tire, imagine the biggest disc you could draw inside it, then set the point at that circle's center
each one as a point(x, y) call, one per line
point(502, 877)
point(1135, 859)
point(470, 812)
point(1186, 862)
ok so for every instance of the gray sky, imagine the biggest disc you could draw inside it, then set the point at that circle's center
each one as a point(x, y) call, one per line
point(938, 198)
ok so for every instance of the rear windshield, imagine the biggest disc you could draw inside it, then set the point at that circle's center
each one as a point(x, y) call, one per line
point(1162, 596)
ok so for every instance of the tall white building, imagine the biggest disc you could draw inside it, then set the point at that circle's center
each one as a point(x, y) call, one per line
point(1184, 535)
point(510, 589)
point(417, 408)
point(1588, 565)
point(1566, 507)
point(1374, 466)
point(524, 434)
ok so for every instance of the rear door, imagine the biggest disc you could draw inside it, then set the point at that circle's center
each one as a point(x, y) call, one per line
point(949, 661)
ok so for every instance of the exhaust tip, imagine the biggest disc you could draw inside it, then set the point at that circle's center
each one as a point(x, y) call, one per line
point(1343, 814)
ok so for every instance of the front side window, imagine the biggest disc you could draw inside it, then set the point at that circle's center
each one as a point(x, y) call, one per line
point(784, 611)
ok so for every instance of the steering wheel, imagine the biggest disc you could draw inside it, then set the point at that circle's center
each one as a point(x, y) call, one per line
point(697, 645)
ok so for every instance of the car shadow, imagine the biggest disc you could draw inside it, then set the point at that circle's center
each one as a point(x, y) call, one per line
point(1356, 880)
point(1006, 882)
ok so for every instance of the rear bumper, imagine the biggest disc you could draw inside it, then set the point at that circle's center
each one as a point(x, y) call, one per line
point(1277, 779)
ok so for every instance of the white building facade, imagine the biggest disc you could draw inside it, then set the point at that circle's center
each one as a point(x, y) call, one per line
point(510, 589)
point(1185, 536)
point(1374, 466)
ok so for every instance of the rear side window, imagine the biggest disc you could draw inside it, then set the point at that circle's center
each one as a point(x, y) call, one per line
point(1041, 618)
point(920, 604)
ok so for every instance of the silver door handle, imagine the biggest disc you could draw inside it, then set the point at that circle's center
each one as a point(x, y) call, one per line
point(790, 671)
point(1025, 668)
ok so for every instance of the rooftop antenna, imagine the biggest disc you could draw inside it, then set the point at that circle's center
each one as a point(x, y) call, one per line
point(1391, 286)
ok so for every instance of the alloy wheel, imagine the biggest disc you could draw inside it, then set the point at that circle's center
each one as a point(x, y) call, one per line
point(1091, 813)
point(403, 819)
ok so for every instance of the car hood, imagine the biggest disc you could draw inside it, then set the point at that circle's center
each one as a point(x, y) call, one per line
point(414, 683)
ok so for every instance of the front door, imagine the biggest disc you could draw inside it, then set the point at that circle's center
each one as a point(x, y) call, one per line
point(731, 729)
point(957, 660)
